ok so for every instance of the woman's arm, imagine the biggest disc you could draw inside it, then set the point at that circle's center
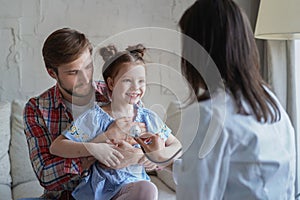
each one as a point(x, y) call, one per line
point(159, 151)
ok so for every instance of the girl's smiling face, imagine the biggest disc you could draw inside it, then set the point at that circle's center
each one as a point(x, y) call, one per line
point(129, 84)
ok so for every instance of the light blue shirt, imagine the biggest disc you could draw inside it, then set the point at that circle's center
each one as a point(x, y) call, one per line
point(104, 183)
point(247, 159)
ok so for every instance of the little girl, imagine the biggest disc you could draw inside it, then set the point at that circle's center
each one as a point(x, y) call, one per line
point(125, 76)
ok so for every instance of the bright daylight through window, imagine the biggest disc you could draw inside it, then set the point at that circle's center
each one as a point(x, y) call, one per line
point(297, 75)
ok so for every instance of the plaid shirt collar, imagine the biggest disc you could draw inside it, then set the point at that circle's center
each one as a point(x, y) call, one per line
point(58, 99)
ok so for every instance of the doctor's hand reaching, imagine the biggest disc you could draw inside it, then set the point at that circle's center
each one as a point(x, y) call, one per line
point(151, 142)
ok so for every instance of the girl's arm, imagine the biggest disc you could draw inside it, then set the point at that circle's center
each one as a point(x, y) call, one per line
point(66, 148)
point(104, 153)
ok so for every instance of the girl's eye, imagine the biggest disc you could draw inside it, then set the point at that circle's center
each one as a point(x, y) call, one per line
point(126, 80)
point(73, 72)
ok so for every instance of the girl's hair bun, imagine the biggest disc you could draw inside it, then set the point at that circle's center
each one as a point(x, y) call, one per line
point(108, 52)
point(137, 50)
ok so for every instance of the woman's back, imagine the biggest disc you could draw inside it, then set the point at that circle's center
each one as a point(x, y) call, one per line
point(250, 160)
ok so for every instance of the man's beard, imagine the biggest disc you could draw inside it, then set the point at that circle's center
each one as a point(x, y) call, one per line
point(75, 94)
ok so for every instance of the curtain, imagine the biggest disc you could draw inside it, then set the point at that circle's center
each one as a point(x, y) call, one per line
point(280, 71)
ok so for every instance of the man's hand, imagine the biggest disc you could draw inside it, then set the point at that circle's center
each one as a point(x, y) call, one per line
point(149, 166)
point(86, 162)
point(133, 156)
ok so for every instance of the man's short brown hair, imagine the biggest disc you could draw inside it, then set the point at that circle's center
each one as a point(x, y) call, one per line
point(64, 46)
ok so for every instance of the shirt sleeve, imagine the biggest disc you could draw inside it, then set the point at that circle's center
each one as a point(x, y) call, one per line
point(88, 125)
point(49, 169)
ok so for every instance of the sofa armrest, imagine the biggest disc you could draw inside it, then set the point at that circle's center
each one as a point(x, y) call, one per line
point(5, 110)
point(24, 181)
point(166, 176)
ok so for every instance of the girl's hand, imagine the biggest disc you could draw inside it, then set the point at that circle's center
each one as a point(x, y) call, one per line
point(121, 144)
point(106, 154)
point(120, 128)
point(131, 151)
point(131, 155)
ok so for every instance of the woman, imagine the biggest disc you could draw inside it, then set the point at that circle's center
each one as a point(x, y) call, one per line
point(253, 156)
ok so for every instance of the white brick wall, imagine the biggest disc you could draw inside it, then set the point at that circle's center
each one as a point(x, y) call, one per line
point(24, 25)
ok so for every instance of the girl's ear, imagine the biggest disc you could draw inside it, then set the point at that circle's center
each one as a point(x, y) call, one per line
point(110, 83)
point(52, 73)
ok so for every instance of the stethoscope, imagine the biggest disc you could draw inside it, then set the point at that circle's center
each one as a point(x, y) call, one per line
point(135, 132)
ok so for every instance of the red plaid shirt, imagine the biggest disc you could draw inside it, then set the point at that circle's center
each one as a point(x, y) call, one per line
point(45, 117)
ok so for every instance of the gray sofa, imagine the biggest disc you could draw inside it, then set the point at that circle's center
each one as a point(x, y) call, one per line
point(17, 179)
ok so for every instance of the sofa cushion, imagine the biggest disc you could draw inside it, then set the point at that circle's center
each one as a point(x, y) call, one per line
point(173, 117)
point(173, 120)
point(21, 168)
point(5, 192)
point(166, 176)
point(25, 183)
point(5, 109)
point(27, 190)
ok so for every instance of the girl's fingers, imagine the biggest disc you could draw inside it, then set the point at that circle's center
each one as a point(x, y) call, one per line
point(114, 161)
point(118, 155)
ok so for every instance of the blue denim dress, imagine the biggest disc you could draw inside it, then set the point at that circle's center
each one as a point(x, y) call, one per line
point(102, 182)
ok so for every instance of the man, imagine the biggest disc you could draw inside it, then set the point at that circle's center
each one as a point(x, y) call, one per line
point(68, 58)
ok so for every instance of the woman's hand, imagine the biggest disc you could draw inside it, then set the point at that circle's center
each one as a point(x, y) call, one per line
point(151, 142)
point(159, 151)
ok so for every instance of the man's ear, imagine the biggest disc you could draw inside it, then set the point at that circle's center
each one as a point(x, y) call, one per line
point(52, 73)
point(110, 83)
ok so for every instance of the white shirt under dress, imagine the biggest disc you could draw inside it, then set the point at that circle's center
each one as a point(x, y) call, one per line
point(247, 159)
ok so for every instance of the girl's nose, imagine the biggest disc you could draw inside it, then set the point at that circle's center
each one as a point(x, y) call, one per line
point(84, 76)
point(135, 86)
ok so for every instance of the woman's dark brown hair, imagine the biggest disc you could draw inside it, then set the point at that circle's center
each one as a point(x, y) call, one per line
point(64, 46)
point(223, 30)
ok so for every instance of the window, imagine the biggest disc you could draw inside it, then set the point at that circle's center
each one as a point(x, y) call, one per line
point(297, 75)
point(297, 113)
